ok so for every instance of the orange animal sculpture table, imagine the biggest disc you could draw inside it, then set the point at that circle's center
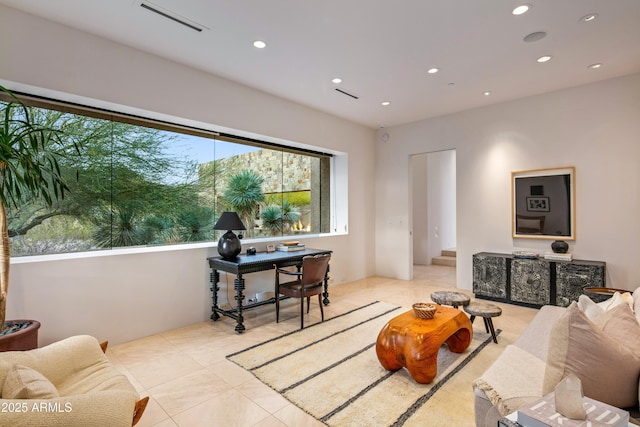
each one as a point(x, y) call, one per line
point(411, 342)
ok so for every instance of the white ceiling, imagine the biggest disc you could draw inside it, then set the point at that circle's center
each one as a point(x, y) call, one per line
point(380, 48)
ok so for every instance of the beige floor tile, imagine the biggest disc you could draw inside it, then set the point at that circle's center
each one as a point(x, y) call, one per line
point(230, 373)
point(143, 349)
point(153, 415)
point(163, 367)
point(270, 422)
point(230, 409)
point(187, 391)
point(263, 395)
point(192, 384)
point(293, 416)
point(166, 423)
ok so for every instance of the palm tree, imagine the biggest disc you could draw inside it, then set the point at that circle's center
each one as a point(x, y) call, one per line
point(29, 169)
point(244, 195)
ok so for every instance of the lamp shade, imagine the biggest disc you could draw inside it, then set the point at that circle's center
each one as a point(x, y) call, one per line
point(229, 245)
point(229, 221)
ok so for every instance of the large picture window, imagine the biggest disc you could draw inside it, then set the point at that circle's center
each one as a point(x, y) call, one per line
point(139, 182)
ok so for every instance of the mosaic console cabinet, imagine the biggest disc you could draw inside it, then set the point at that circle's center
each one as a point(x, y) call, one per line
point(533, 282)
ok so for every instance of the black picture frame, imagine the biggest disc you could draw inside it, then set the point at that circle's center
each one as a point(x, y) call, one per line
point(538, 204)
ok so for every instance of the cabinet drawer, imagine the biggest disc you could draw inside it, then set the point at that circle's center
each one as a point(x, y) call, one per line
point(530, 281)
point(490, 276)
point(572, 277)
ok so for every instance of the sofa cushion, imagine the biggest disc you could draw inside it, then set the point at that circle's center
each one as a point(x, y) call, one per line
point(23, 382)
point(620, 324)
point(535, 338)
point(609, 370)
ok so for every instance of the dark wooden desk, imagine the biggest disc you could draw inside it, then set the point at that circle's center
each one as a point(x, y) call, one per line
point(261, 261)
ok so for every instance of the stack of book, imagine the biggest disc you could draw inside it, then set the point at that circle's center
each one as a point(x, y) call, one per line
point(290, 247)
point(542, 413)
point(552, 256)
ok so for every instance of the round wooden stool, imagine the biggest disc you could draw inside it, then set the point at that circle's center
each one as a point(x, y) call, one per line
point(454, 299)
point(487, 312)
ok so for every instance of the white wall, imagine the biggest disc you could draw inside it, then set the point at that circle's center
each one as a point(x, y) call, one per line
point(595, 128)
point(122, 297)
point(419, 216)
point(441, 187)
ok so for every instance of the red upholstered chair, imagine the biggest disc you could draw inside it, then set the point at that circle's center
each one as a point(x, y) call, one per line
point(309, 281)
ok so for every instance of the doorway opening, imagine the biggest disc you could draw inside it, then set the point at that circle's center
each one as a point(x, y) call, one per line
point(433, 194)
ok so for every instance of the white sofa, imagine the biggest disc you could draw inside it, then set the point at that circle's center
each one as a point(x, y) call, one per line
point(517, 375)
point(600, 343)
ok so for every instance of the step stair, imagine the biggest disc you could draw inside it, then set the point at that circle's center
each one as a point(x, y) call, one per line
point(447, 258)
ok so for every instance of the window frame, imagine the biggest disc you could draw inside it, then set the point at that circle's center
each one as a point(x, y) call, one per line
point(327, 172)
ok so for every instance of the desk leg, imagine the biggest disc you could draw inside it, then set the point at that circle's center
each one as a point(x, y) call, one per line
point(325, 301)
point(214, 279)
point(238, 285)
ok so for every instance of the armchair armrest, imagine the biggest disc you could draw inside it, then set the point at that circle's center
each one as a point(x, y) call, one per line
point(291, 273)
point(112, 408)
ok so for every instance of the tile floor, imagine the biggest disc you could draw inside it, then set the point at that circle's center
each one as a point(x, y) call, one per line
point(191, 384)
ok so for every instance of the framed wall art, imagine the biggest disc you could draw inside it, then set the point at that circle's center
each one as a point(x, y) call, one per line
point(548, 216)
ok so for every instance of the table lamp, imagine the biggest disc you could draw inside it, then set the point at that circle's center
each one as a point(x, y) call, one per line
point(229, 245)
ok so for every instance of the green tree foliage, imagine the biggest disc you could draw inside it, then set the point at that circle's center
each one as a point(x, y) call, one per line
point(29, 170)
point(126, 180)
point(196, 223)
point(295, 198)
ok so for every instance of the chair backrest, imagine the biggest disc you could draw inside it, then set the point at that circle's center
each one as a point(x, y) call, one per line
point(314, 268)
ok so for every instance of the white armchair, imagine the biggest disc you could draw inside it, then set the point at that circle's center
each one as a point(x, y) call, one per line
point(68, 383)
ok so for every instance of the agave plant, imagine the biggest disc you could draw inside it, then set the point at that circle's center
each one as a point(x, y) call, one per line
point(244, 195)
point(28, 169)
point(278, 218)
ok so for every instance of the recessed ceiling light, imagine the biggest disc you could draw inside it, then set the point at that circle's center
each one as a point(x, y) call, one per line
point(259, 44)
point(534, 37)
point(544, 58)
point(590, 17)
point(433, 70)
point(521, 9)
point(385, 103)
point(486, 93)
point(337, 80)
point(595, 66)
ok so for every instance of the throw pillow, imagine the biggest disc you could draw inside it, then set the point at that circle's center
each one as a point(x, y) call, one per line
point(616, 299)
point(620, 324)
point(608, 370)
point(636, 303)
point(589, 307)
point(594, 309)
point(23, 382)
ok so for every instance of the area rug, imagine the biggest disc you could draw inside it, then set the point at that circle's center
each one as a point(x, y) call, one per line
point(331, 371)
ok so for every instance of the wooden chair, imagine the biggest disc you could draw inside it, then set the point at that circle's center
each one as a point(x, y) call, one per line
point(309, 282)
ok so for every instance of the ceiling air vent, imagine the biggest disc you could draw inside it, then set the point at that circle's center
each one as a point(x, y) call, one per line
point(166, 13)
point(347, 93)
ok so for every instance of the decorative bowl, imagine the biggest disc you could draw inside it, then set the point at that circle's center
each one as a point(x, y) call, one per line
point(424, 310)
point(291, 243)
